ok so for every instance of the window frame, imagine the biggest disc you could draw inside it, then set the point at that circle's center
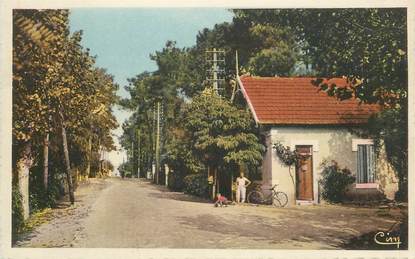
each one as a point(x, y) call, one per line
point(355, 148)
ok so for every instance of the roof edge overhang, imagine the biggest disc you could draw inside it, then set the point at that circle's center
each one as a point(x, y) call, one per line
point(251, 107)
point(271, 124)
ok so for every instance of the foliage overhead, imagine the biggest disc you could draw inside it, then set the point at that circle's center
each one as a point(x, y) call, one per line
point(57, 77)
point(368, 46)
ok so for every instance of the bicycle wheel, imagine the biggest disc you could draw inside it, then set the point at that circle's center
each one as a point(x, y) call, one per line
point(280, 199)
point(255, 197)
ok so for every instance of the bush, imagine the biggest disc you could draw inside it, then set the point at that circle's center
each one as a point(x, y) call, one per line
point(39, 198)
point(196, 184)
point(176, 180)
point(17, 212)
point(334, 182)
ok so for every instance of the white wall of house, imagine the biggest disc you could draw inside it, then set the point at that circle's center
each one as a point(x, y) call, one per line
point(328, 143)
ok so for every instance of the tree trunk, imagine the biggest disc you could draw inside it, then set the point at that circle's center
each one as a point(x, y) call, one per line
point(23, 167)
point(98, 174)
point(217, 181)
point(46, 161)
point(232, 186)
point(215, 186)
point(89, 156)
point(133, 159)
point(234, 86)
point(67, 162)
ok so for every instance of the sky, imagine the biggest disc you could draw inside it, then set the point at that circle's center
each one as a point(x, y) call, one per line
point(122, 39)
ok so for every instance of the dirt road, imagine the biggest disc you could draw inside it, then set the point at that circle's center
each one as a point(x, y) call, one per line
point(136, 214)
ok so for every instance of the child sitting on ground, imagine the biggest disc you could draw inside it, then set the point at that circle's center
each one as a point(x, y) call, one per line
point(221, 201)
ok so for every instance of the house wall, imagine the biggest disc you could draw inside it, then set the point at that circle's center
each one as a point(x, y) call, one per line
point(387, 176)
point(329, 143)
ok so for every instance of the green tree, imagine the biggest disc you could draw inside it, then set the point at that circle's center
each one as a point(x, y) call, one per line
point(368, 46)
point(166, 86)
point(180, 157)
point(140, 127)
point(219, 133)
point(35, 35)
point(56, 92)
point(275, 51)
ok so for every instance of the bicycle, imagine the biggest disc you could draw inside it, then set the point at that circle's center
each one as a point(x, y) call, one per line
point(276, 198)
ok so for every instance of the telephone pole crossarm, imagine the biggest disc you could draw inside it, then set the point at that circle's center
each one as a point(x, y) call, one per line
point(215, 58)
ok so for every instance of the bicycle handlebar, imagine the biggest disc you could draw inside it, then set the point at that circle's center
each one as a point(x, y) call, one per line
point(273, 187)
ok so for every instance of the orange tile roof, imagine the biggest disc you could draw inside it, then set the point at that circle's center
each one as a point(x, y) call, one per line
point(295, 100)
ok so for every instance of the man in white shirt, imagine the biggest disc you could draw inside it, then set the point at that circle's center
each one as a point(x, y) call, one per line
point(241, 182)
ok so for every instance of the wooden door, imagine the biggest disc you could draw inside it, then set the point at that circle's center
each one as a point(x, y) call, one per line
point(304, 173)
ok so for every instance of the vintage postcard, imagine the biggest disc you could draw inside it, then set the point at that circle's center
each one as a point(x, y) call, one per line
point(207, 129)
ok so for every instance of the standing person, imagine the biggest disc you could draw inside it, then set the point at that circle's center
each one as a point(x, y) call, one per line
point(241, 182)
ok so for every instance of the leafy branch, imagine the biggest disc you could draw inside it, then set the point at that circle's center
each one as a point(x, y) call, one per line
point(286, 155)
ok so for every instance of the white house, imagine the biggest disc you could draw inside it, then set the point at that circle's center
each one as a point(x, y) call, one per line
point(294, 112)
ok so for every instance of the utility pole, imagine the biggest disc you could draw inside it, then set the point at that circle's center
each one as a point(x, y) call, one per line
point(235, 84)
point(139, 152)
point(215, 70)
point(161, 137)
point(216, 58)
point(158, 143)
point(132, 157)
point(236, 63)
point(153, 145)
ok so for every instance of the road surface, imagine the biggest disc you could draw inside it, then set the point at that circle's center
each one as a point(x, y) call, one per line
point(133, 213)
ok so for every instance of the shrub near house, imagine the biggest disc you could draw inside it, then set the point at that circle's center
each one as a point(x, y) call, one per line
point(335, 181)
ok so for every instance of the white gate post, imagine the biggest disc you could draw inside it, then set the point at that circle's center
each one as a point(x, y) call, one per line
point(166, 173)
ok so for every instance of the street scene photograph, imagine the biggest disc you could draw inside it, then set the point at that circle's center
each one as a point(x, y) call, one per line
point(209, 128)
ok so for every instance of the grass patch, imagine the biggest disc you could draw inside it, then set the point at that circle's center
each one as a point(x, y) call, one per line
point(37, 219)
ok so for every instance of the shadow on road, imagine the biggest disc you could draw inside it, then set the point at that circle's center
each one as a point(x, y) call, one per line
point(325, 232)
point(178, 196)
point(164, 193)
point(315, 227)
point(367, 242)
point(257, 229)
